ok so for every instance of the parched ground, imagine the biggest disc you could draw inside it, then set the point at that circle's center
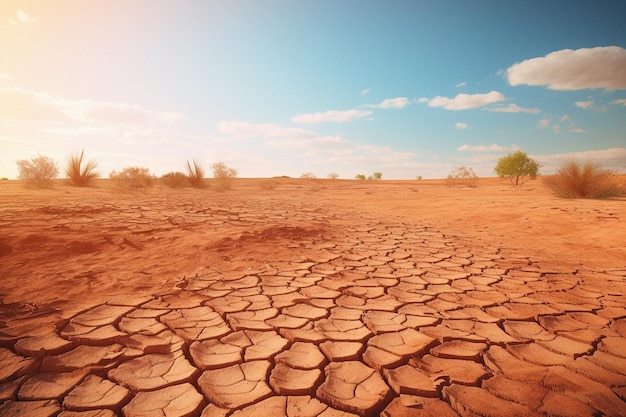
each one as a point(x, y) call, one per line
point(311, 297)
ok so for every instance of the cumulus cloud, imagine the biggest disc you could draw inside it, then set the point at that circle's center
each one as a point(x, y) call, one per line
point(621, 101)
point(22, 18)
point(514, 108)
point(464, 101)
point(584, 104)
point(460, 125)
point(487, 148)
point(392, 103)
point(567, 69)
point(461, 84)
point(338, 116)
point(543, 123)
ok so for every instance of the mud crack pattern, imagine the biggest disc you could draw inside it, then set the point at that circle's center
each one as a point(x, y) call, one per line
point(388, 319)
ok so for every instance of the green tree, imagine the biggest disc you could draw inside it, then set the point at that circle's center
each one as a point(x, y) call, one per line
point(518, 167)
point(378, 175)
point(360, 177)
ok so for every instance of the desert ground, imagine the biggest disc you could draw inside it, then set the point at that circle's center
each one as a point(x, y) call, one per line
point(293, 297)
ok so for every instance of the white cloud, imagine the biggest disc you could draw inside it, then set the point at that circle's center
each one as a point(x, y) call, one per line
point(464, 101)
point(27, 105)
point(460, 125)
point(576, 130)
point(22, 18)
point(247, 130)
point(392, 103)
point(487, 148)
point(514, 108)
point(365, 91)
point(339, 116)
point(461, 84)
point(564, 118)
point(567, 69)
point(543, 123)
point(612, 158)
point(621, 101)
point(584, 104)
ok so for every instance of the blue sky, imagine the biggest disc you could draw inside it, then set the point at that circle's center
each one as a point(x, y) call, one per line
point(274, 88)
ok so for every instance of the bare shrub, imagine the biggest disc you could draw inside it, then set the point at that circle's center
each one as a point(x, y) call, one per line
point(38, 171)
point(224, 175)
point(463, 177)
point(79, 172)
point(133, 177)
point(195, 174)
point(574, 179)
point(175, 180)
point(333, 176)
point(308, 175)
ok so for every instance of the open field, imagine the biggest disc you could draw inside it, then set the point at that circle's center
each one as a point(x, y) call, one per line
point(311, 297)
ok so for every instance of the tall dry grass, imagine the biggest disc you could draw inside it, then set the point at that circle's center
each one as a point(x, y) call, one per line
point(79, 172)
point(195, 174)
point(575, 179)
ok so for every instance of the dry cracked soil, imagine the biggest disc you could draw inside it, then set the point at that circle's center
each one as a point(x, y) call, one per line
point(311, 298)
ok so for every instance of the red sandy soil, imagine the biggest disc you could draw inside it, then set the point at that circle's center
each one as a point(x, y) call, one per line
point(66, 250)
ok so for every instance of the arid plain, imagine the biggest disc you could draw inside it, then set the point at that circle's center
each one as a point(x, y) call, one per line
point(293, 297)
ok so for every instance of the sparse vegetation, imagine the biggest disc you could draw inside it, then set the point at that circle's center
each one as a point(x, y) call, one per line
point(418, 177)
point(332, 176)
point(175, 180)
point(377, 175)
point(38, 171)
point(359, 177)
point(224, 175)
point(575, 179)
point(518, 167)
point(4, 179)
point(463, 177)
point(133, 177)
point(79, 172)
point(308, 175)
point(195, 174)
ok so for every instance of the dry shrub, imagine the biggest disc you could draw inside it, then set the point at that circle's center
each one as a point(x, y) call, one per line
point(574, 179)
point(38, 171)
point(195, 174)
point(133, 177)
point(80, 174)
point(463, 177)
point(224, 175)
point(175, 180)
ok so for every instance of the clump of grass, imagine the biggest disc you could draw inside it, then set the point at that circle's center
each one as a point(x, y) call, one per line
point(195, 174)
point(38, 171)
point(79, 172)
point(463, 177)
point(175, 180)
point(574, 179)
point(133, 177)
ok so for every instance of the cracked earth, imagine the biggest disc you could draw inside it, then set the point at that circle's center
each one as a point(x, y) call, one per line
point(291, 306)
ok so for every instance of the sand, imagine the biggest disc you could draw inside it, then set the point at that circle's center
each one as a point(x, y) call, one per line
point(391, 281)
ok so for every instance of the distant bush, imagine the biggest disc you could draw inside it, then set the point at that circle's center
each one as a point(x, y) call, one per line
point(133, 177)
point(574, 179)
point(4, 179)
point(175, 180)
point(463, 177)
point(224, 175)
point(38, 171)
point(308, 175)
point(333, 176)
point(359, 177)
point(195, 174)
point(80, 174)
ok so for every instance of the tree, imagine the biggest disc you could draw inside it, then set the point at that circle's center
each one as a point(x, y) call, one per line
point(377, 175)
point(360, 177)
point(308, 175)
point(518, 167)
point(38, 171)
